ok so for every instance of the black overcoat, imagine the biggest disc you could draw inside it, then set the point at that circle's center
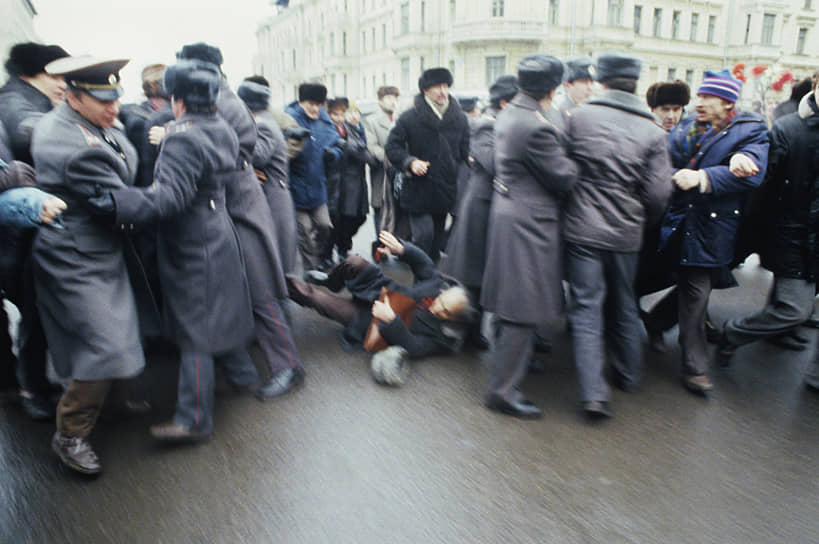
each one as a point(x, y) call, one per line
point(420, 134)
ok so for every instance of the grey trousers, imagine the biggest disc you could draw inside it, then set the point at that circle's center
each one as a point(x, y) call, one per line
point(194, 399)
point(314, 233)
point(510, 360)
point(603, 307)
point(694, 287)
point(790, 304)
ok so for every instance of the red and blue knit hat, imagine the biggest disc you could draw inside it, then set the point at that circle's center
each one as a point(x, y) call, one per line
point(721, 84)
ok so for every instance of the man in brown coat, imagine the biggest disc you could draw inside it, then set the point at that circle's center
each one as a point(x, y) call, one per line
point(624, 183)
point(532, 173)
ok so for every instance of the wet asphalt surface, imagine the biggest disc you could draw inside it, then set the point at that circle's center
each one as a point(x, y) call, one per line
point(345, 460)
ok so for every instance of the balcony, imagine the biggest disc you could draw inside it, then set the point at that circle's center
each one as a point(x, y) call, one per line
point(497, 29)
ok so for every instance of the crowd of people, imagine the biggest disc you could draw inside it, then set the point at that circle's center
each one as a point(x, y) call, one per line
point(184, 218)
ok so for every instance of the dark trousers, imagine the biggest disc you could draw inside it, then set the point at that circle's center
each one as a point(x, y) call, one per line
point(602, 304)
point(340, 309)
point(344, 228)
point(510, 360)
point(194, 400)
point(377, 221)
point(273, 335)
point(790, 304)
point(693, 289)
point(8, 362)
point(428, 233)
point(80, 406)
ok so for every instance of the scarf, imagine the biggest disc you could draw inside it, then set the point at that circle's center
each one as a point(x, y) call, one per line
point(700, 133)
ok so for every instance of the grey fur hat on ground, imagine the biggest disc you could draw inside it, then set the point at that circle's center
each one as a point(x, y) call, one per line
point(391, 366)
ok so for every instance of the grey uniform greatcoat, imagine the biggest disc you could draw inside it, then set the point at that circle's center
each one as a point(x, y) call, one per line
point(206, 297)
point(522, 278)
point(466, 249)
point(84, 294)
point(270, 156)
point(247, 205)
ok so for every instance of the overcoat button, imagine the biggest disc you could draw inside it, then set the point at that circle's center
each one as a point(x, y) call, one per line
point(714, 214)
point(212, 205)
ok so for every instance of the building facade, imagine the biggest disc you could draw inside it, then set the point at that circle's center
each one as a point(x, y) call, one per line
point(16, 25)
point(354, 46)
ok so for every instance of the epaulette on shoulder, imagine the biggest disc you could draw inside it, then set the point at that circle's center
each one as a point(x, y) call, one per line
point(181, 126)
point(542, 118)
point(90, 138)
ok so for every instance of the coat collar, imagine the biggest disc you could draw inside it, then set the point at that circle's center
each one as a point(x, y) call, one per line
point(525, 101)
point(623, 101)
point(452, 113)
point(806, 110)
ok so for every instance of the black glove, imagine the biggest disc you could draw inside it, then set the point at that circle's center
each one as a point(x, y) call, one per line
point(101, 205)
point(297, 133)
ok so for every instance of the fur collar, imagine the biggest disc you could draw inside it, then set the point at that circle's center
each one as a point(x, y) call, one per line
point(425, 113)
point(805, 108)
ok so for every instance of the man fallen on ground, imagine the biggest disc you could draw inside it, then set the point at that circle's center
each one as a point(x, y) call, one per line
point(442, 307)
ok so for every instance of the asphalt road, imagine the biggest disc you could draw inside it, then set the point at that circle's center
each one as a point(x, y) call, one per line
point(344, 460)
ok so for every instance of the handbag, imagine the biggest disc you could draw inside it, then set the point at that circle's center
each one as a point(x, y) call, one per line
point(404, 308)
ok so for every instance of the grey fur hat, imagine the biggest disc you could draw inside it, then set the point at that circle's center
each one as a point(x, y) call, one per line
point(391, 366)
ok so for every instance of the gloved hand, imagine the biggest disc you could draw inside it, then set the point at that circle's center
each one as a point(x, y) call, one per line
point(101, 205)
point(340, 143)
point(329, 154)
point(297, 133)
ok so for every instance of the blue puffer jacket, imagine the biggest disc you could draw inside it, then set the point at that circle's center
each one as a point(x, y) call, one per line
point(307, 177)
point(708, 222)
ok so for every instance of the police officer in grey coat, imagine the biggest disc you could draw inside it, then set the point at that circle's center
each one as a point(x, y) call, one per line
point(624, 183)
point(207, 304)
point(84, 294)
point(466, 247)
point(522, 279)
point(252, 217)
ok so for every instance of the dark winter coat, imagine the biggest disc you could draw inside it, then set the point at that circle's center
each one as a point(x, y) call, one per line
point(707, 223)
point(147, 151)
point(420, 134)
point(427, 334)
point(205, 291)
point(352, 187)
point(307, 176)
point(625, 173)
point(135, 117)
point(466, 248)
point(248, 207)
point(790, 198)
point(523, 274)
point(84, 294)
point(270, 157)
point(21, 108)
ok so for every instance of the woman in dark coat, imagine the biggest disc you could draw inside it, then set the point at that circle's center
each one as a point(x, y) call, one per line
point(522, 279)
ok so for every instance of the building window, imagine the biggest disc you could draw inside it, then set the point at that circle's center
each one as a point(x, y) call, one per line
point(332, 44)
point(421, 67)
point(638, 18)
point(373, 36)
point(423, 16)
point(689, 77)
point(768, 22)
point(363, 42)
point(615, 13)
point(658, 22)
point(452, 10)
point(333, 82)
point(383, 35)
point(554, 8)
point(808, 4)
point(294, 59)
point(747, 29)
point(800, 41)
point(405, 79)
point(495, 67)
point(695, 21)
point(344, 44)
point(497, 8)
point(346, 93)
point(405, 18)
point(712, 27)
point(452, 67)
point(675, 24)
point(672, 74)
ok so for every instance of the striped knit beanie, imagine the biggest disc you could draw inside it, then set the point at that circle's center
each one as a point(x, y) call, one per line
point(721, 84)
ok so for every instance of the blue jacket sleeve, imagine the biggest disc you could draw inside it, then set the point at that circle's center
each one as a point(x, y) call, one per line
point(755, 145)
point(21, 207)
